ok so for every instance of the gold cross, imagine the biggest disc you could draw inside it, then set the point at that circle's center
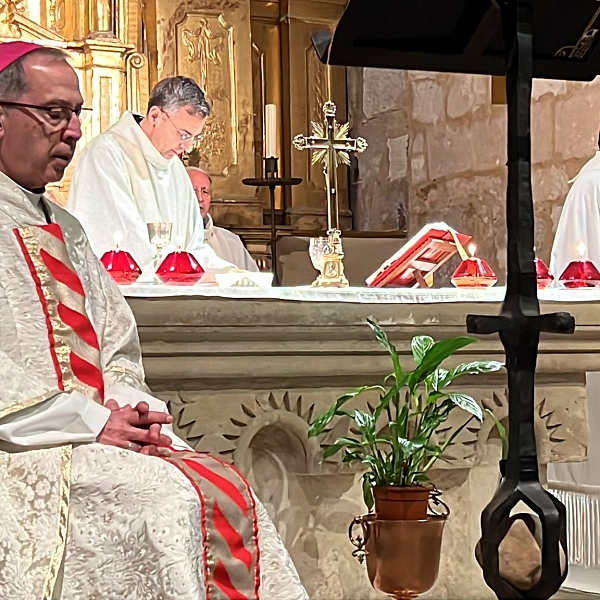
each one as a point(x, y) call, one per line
point(331, 146)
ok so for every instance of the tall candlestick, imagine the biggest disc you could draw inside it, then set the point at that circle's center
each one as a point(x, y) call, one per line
point(270, 130)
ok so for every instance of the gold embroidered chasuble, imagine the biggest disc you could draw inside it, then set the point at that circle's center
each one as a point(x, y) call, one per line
point(121, 524)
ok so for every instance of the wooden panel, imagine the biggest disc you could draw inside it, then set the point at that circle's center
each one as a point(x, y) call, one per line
point(308, 88)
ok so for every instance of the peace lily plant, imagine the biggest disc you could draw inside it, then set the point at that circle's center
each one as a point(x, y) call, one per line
point(395, 439)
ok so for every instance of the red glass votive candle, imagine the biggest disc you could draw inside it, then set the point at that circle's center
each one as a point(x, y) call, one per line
point(542, 273)
point(473, 273)
point(580, 274)
point(180, 268)
point(121, 266)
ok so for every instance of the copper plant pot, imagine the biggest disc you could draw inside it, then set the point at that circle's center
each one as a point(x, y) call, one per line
point(403, 557)
point(396, 503)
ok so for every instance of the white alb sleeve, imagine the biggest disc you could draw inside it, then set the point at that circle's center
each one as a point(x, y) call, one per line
point(67, 418)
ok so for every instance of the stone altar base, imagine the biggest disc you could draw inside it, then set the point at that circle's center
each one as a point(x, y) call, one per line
point(245, 374)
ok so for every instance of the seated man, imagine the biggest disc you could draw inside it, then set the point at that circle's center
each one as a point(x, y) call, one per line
point(132, 175)
point(226, 244)
point(94, 504)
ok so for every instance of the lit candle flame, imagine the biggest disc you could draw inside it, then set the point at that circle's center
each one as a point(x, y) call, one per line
point(581, 250)
point(117, 238)
point(472, 250)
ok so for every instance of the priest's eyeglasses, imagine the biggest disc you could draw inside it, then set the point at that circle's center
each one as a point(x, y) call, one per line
point(56, 116)
point(185, 136)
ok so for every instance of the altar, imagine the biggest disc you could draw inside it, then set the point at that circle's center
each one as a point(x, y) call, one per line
point(245, 369)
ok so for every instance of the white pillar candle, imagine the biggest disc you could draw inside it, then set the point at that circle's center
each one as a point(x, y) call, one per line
point(270, 130)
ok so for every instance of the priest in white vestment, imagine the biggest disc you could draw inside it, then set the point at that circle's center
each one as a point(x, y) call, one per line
point(94, 505)
point(226, 244)
point(132, 175)
point(578, 230)
point(578, 484)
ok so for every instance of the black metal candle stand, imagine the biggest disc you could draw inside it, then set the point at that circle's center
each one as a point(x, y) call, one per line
point(272, 180)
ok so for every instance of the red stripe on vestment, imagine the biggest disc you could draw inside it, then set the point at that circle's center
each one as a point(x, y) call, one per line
point(232, 537)
point(254, 520)
point(42, 299)
point(80, 324)
point(62, 273)
point(224, 583)
point(55, 230)
point(87, 373)
point(205, 553)
point(221, 483)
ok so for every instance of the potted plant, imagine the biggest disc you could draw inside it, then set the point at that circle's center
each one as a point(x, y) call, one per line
point(396, 440)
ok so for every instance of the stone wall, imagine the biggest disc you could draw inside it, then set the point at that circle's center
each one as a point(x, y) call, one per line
point(437, 151)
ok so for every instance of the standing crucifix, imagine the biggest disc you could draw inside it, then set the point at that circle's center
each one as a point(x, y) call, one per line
point(331, 146)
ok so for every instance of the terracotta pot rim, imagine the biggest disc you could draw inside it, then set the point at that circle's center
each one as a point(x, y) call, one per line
point(419, 487)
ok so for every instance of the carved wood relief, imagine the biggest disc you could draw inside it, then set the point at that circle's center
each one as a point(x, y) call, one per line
point(205, 52)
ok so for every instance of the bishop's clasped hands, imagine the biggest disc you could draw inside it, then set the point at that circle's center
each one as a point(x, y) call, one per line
point(135, 428)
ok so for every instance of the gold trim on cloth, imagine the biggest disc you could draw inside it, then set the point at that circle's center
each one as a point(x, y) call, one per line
point(67, 341)
point(62, 349)
point(63, 520)
point(28, 403)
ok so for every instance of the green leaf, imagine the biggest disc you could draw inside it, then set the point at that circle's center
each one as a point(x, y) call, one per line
point(367, 487)
point(436, 379)
point(409, 447)
point(501, 432)
point(467, 403)
point(401, 424)
point(322, 421)
point(350, 457)
point(331, 450)
point(387, 398)
point(340, 443)
point(476, 367)
point(438, 353)
point(383, 339)
point(366, 424)
point(419, 345)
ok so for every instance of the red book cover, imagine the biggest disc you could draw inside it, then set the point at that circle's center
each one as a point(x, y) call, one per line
point(419, 258)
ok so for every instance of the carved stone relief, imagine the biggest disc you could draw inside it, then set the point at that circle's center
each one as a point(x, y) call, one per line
point(312, 501)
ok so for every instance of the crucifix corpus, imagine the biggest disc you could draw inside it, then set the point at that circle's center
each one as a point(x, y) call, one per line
point(331, 146)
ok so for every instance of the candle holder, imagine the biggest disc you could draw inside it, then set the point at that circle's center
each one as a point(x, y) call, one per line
point(121, 266)
point(542, 273)
point(180, 268)
point(473, 273)
point(272, 180)
point(580, 274)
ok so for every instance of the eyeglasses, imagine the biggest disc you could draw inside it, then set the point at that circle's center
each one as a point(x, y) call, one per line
point(56, 116)
point(185, 136)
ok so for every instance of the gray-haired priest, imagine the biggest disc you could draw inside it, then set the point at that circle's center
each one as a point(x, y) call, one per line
point(132, 175)
point(99, 498)
point(225, 243)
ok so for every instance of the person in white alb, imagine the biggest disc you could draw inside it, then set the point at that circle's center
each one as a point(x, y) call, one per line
point(132, 175)
point(578, 228)
point(226, 244)
point(99, 498)
point(578, 484)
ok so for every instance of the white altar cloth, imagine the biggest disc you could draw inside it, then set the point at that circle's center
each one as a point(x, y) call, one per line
point(355, 295)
